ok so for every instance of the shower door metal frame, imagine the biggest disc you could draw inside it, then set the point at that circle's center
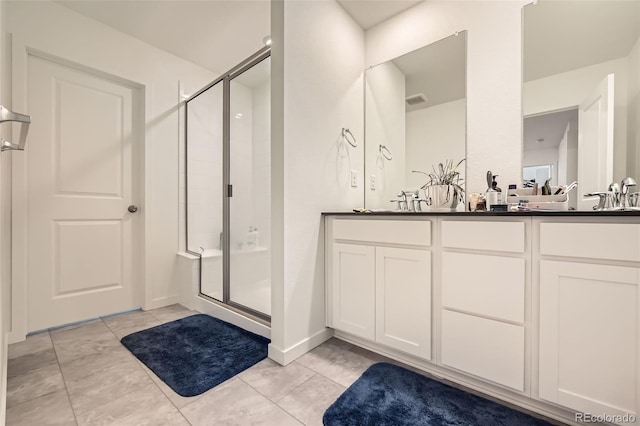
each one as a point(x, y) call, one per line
point(227, 189)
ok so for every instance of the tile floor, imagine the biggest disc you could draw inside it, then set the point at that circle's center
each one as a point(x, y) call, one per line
point(82, 375)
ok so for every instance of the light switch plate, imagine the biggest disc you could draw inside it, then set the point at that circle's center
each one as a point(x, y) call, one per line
point(372, 182)
point(354, 179)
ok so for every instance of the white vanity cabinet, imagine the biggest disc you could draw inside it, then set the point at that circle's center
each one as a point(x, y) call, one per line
point(539, 310)
point(403, 300)
point(380, 287)
point(589, 316)
point(353, 289)
point(483, 280)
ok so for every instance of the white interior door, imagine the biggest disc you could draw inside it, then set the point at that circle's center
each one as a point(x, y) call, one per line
point(81, 156)
point(595, 143)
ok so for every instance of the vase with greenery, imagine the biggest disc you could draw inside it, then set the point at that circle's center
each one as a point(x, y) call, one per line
point(443, 190)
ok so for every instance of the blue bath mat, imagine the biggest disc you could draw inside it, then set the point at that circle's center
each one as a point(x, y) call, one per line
point(196, 353)
point(390, 395)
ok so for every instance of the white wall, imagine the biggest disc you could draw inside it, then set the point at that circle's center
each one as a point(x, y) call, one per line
point(540, 157)
point(569, 89)
point(5, 220)
point(494, 69)
point(385, 125)
point(633, 117)
point(563, 153)
point(48, 27)
point(317, 90)
point(435, 135)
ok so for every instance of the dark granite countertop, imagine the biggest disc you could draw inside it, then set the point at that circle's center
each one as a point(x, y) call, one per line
point(568, 213)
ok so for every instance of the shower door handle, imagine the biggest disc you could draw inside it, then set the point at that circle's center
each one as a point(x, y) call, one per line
point(132, 208)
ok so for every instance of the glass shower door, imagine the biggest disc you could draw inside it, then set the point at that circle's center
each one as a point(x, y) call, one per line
point(204, 180)
point(250, 177)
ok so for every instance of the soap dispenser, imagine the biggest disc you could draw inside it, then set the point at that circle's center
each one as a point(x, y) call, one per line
point(495, 187)
point(491, 196)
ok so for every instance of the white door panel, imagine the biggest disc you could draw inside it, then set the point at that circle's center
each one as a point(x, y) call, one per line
point(403, 299)
point(589, 336)
point(595, 143)
point(353, 289)
point(80, 179)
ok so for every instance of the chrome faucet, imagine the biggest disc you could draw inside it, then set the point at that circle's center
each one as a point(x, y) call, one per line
point(408, 201)
point(624, 199)
point(403, 205)
point(617, 197)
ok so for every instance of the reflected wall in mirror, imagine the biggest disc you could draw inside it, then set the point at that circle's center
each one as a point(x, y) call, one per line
point(581, 82)
point(415, 118)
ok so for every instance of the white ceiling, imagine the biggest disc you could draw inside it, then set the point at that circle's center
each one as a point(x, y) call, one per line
point(368, 13)
point(438, 71)
point(215, 34)
point(549, 127)
point(559, 35)
point(563, 35)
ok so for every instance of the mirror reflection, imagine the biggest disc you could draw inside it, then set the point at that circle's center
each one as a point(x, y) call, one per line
point(581, 102)
point(415, 118)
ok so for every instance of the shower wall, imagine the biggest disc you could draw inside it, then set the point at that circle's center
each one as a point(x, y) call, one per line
point(262, 162)
point(250, 155)
point(204, 174)
point(249, 173)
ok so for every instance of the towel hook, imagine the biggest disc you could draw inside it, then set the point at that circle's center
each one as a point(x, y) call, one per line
point(384, 151)
point(7, 115)
point(348, 136)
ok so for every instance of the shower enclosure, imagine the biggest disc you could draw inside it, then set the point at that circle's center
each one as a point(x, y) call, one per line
point(228, 171)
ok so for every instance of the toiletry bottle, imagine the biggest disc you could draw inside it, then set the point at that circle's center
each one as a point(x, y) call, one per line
point(495, 187)
point(491, 197)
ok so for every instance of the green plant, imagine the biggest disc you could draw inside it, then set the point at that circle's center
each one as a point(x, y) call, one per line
point(445, 174)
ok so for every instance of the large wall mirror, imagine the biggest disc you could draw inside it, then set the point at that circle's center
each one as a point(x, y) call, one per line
point(581, 102)
point(415, 118)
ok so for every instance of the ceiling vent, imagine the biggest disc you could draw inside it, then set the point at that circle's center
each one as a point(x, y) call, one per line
point(416, 99)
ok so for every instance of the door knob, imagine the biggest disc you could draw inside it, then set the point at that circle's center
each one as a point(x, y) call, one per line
point(132, 208)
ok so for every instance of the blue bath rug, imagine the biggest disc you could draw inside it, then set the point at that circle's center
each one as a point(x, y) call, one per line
point(196, 353)
point(390, 395)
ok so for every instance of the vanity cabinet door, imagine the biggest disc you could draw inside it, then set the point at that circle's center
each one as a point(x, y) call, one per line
point(589, 336)
point(353, 289)
point(403, 300)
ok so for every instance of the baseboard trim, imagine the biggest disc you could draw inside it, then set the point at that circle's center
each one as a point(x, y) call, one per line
point(284, 357)
point(235, 318)
point(161, 302)
point(16, 337)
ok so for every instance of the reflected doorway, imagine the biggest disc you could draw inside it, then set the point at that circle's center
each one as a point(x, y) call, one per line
point(551, 149)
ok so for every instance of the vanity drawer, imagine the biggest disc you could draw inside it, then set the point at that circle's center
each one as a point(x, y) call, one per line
point(486, 285)
point(614, 241)
point(489, 349)
point(494, 236)
point(406, 232)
